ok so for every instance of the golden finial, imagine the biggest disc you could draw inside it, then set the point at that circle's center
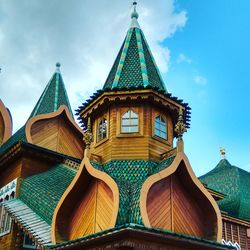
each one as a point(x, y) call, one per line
point(88, 136)
point(223, 153)
point(180, 129)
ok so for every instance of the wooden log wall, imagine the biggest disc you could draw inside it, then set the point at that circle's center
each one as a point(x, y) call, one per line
point(236, 231)
point(141, 145)
point(10, 241)
point(11, 173)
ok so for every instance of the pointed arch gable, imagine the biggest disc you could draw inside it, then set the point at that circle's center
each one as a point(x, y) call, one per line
point(56, 131)
point(181, 200)
point(5, 123)
point(93, 209)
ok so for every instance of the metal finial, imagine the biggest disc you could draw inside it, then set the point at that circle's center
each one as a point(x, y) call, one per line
point(223, 153)
point(134, 13)
point(88, 136)
point(58, 65)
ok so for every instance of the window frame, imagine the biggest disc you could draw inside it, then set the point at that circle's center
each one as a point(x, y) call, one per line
point(28, 246)
point(102, 120)
point(130, 111)
point(97, 120)
point(161, 125)
point(7, 192)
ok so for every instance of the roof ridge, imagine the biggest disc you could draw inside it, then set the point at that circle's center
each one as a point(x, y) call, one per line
point(156, 67)
point(122, 58)
point(142, 57)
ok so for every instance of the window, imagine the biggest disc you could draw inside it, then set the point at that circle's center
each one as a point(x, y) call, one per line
point(102, 129)
point(6, 193)
point(5, 218)
point(130, 122)
point(160, 127)
point(28, 243)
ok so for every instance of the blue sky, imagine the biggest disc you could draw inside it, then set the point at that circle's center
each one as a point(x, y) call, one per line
point(209, 69)
point(200, 46)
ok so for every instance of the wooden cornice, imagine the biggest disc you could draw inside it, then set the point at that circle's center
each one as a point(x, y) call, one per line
point(133, 95)
point(231, 219)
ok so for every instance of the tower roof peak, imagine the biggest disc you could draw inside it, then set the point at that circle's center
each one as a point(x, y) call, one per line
point(58, 65)
point(134, 66)
point(53, 96)
point(134, 17)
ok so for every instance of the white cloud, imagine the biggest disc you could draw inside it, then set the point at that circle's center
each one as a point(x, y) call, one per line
point(84, 36)
point(200, 80)
point(183, 59)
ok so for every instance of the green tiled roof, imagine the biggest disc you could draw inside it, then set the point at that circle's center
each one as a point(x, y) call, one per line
point(53, 96)
point(134, 66)
point(235, 184)
point(42, 192)
point(130, 176)
point(19, 136)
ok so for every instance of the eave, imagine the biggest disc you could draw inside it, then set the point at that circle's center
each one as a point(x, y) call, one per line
point(130, 235)
point(216, 195)
point(101, 98)
point(23, 148)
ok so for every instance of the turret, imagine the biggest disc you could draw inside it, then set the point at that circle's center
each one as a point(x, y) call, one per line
point(133, 116)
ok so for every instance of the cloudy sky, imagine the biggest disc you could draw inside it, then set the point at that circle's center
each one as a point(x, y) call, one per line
point(201, 48)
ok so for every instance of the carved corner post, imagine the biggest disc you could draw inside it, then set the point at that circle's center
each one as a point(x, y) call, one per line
point(180, 129)
point(88, 139)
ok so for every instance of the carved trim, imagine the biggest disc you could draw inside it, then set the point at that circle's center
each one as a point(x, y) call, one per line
point(85, 164)
point(63, 108)
point(132, 95)
point(231, 219)
point(7, 122)
point(167, 172)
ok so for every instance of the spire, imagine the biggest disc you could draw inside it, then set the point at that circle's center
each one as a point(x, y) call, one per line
point(53, 96)
point(134, 17)
point(134, 66)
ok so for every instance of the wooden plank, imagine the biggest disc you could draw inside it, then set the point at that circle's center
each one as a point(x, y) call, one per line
point(57, 134)
point(159, 206)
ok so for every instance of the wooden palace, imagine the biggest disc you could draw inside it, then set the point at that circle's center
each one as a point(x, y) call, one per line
point(118, 182)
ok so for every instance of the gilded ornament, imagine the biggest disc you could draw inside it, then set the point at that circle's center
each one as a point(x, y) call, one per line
point(88, 135)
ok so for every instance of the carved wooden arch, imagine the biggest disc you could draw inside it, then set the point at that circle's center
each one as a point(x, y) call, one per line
point(74, 128)
point(182, 165)
point(66, 224)
point(6, 124)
